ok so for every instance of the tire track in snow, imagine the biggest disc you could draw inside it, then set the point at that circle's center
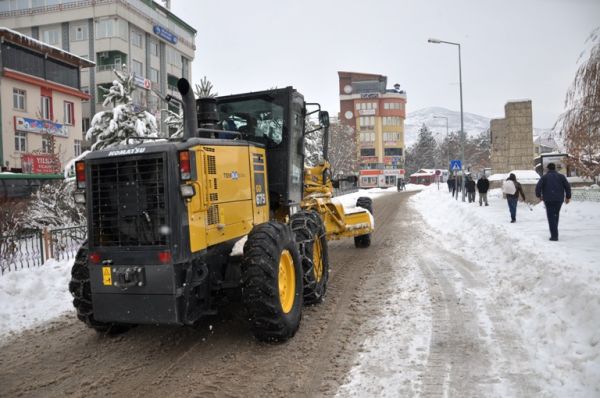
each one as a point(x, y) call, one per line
point(458, 362)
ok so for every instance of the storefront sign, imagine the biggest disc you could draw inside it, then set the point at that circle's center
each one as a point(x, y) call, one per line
point(40, 127)
point(165, 34)
point(369, 95)
point(40, 163)
point(366, 112)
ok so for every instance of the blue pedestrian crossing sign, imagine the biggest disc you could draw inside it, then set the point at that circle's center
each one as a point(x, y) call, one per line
point(455, 165)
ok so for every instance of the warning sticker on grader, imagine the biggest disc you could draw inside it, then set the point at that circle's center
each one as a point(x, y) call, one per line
point(106, 276)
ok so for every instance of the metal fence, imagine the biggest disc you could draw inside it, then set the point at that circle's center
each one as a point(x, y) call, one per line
point(32, 248)
point(586, 195)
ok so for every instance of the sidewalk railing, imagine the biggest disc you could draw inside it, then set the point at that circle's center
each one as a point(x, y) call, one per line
point(32, 248)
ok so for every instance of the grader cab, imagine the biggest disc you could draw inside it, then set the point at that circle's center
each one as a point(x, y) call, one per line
point(166, 220)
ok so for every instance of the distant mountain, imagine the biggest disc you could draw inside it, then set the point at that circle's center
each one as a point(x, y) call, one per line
point(473, 124)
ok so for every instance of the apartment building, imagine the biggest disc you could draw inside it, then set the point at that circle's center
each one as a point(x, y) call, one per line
point(377, 115)
point(40, 104)
point(140, 35)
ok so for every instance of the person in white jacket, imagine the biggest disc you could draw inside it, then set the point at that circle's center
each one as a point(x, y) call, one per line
point(512, 189)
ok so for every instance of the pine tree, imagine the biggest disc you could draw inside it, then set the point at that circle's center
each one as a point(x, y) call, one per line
point(204, 89)
point(423, 154)
point(122, 125)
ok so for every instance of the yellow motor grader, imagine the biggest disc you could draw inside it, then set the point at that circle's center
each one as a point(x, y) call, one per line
point(164, 218)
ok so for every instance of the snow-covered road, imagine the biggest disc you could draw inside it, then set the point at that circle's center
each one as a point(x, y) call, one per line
point(488, 308)
point(451, 300)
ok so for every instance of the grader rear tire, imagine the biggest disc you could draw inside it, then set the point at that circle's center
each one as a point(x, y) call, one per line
point(363, 241)
point(80, 289)
point(272, 282)
point(309, 232)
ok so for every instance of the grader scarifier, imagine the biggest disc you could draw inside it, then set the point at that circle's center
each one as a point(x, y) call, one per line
point(163, 218)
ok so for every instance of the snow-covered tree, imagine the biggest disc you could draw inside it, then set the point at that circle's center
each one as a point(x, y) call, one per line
point(343, 152)
point(313, 145)
point(174, 122)
point(580, 124)
point(53, 206)
point(122, 124)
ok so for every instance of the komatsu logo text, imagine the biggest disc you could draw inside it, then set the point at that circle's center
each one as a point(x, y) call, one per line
point(131, 151)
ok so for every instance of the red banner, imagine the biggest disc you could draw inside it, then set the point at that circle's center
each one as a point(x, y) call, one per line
point(40, 163)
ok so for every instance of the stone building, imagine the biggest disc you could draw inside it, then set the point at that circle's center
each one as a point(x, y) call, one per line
point(512, 138)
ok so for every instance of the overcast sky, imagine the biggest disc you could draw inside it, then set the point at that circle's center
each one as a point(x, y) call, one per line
point(511, 49)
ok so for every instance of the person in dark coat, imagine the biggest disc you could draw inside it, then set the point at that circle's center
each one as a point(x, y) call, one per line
point(470, 187)
point(483, 185)
point(553, 189)
point(512, 189)
point(451, 181)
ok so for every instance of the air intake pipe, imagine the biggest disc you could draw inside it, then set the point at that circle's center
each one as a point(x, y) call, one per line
point(190, 120)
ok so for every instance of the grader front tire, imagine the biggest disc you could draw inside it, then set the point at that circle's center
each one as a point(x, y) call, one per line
point(364, 241)
point(272, 282)
point(309, 232)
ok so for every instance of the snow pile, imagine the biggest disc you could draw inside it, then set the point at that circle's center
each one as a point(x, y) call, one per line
point(32, 296)
point(549, 291)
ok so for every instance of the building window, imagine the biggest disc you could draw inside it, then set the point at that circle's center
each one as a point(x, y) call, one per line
point(46, 145)
point(69, 113)
point(112, 27)
point(367, 121)
point(77, 147)
point(136, 38)
point(367, 152)
point(46, 108)
point(19, 97)
point(85, 124)
point(391, 121)
point(20, 141)
point(153, 75)
point(79, 32)
point(173, 57)
point(391, 137)
point(51, 36)
point(367, 137)
point(153, 47)
point(392, 151)
point(136, 67)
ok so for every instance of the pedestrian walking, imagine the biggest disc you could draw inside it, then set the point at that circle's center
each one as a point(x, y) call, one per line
point(512, 189)
point(470, 187)
point(553, 189)
point(450, 182)
point(483, 185)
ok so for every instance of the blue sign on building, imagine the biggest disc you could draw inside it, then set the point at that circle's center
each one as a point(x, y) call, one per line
point(165, 34)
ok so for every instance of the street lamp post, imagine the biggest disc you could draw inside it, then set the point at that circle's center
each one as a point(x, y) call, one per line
point(462, 132)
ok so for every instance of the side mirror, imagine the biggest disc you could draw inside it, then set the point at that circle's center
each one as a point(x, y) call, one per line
point(324, 118)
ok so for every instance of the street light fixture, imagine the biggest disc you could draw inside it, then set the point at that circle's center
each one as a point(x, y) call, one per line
point(462, 132)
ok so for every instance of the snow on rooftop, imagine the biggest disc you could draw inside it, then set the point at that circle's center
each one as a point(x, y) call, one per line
point(30, 40)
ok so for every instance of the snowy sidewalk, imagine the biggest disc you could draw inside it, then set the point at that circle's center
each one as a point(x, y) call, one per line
point(544, 294)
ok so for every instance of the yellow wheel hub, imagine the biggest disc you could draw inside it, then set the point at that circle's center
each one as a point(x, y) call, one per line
point(317, 259)
point(287, 281)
